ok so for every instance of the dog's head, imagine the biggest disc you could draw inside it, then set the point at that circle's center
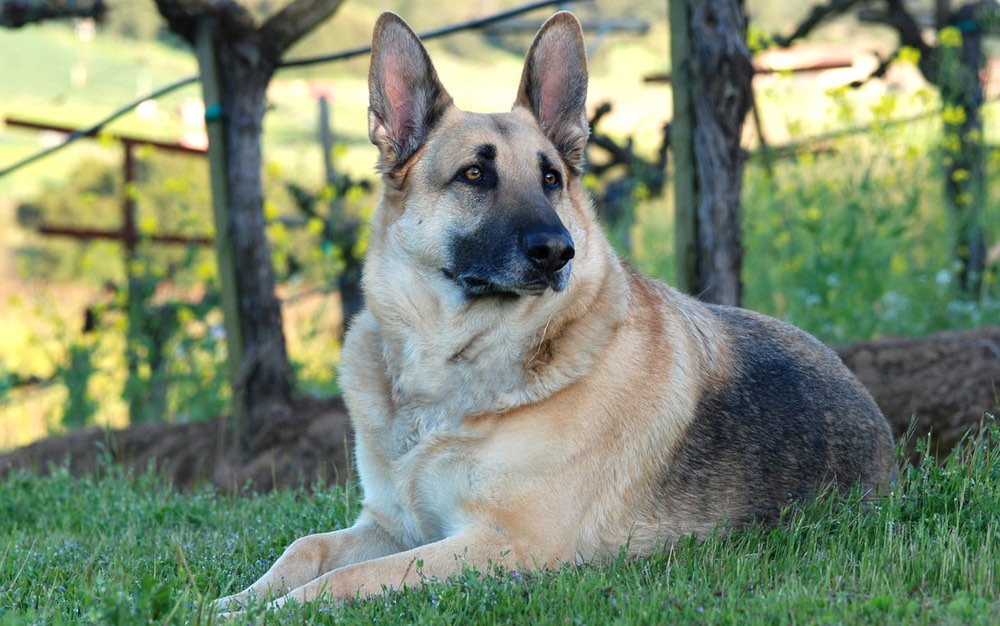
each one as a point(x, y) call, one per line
point(488, 203)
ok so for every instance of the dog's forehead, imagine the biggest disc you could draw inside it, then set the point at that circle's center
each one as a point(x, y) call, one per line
point(507, 136)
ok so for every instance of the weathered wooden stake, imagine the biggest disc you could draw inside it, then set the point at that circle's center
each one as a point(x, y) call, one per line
point(225, 257)
point(712, 74)
point(682, 144)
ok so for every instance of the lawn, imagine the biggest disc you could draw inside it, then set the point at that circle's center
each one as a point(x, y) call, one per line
point(119, 549)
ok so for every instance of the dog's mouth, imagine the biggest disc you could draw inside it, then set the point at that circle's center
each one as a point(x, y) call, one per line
point(476, 287)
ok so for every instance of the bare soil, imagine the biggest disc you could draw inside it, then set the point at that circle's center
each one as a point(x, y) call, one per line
point(944, 383)
point(310, 447)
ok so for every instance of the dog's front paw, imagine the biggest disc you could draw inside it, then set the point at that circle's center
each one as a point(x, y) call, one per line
point(231, 604)
point(229, 615)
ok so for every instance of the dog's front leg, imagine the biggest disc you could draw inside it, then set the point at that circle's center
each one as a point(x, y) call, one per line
point(312, 556)
point(439, 560)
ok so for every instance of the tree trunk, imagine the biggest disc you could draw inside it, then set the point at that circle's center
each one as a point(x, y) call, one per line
point(265, 377)
point(720, 98)
point(243, 56)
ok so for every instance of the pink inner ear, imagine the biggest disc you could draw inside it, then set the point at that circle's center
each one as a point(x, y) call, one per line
point(397, 91)
point(554, 83)
point(553, 91)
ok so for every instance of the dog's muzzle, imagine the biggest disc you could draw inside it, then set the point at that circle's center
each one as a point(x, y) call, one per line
point(532, 258)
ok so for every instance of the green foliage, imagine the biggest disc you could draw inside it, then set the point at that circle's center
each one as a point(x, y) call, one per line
point(157, 316)
point(121, 549)
point(171, 195)
point(864, 252)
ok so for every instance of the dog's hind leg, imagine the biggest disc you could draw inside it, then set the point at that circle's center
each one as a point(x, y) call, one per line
point(312, 556)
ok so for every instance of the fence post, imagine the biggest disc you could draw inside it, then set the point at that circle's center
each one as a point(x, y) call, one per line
point(206, 51)
point(326, 138)
point(682, 144)
point(134, 291)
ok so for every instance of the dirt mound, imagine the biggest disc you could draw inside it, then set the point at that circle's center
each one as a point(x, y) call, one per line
point(313, 444)
point(945, 382)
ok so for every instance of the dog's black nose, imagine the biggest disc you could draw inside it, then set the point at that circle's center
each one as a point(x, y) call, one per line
point(548, 247)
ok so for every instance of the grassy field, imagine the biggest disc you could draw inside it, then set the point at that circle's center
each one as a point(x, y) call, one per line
point(119, 549)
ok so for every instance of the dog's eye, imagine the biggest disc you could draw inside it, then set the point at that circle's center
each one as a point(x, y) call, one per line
point(473, 173)
point(551, 178)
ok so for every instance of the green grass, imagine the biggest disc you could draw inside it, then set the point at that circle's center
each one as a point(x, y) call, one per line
point(116, 549)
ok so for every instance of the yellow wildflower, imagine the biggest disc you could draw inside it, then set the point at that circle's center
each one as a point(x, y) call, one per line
point(205, 270)
point(147, 225)
point(278, 232)
point(953, 115)
point(909, 55)
point(757, 39)
point(354, 194)
point(270, 211)
point(950, 37)
point(315, 226)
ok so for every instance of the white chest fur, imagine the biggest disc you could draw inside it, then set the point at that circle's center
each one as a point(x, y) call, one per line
point(414, 455)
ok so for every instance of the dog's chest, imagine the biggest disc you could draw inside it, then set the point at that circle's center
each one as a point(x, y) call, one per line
point(427, 480)
point(419, 460)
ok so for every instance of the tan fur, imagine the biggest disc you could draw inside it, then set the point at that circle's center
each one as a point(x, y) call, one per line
point(538, 428)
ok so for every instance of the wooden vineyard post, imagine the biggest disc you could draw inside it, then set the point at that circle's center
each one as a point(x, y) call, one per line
point(712, 73)
point(682, 144)
point(205, 49)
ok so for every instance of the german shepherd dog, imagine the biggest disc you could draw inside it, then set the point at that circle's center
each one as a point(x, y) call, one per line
point(521, 397)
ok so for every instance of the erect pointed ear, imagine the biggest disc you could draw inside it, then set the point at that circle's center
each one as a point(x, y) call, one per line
point(554, 86)
point(406, 99)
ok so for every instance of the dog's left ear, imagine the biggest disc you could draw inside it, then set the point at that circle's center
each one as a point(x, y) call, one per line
point(406, 99)
point(554, 86)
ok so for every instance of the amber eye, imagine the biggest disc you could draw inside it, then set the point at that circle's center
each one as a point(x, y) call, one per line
point(473, 173)
point(551, 178)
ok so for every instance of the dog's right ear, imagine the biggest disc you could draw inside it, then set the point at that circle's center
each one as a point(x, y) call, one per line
point(406, 99)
